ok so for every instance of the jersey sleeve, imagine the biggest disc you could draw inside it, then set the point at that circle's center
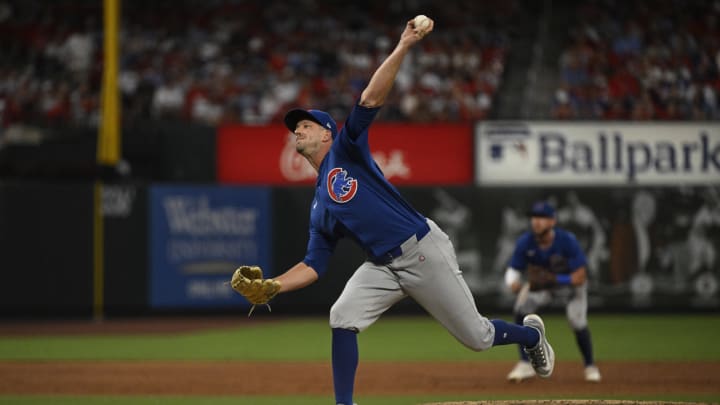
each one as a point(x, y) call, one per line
point(319, 250)
point(358, 122)
point(518, 260)
point(575, 256)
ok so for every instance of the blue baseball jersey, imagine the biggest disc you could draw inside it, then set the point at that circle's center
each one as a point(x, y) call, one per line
point(354, 199)
point(564, 255)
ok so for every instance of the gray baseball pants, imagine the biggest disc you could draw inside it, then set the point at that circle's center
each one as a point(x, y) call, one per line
point(428, 272)
point(575, 300)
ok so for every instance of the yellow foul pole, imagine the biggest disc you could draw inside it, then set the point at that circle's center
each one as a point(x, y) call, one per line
point(108, 152)
point(108, 145)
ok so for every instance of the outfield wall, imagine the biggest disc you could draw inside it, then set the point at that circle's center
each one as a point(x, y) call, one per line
point(170, 248)
point(643, 199)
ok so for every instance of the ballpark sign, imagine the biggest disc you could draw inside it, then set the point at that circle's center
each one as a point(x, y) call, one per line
point(553, 153)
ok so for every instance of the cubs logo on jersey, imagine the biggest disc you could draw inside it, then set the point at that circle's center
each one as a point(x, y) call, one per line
point(340, 186)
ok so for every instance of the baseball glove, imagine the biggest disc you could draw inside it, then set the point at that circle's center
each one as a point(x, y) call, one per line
point(540, 278)
point(249, 282)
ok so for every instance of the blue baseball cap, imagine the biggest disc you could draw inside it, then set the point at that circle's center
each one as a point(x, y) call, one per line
point(542, 209)
point(321, 117)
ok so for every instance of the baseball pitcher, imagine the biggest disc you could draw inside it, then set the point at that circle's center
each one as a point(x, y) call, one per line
point(554, 267)
point(407, 253)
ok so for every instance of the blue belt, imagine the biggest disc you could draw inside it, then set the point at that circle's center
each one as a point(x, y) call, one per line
point(391, 254)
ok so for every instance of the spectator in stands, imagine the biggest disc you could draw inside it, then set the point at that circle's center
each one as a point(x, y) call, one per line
point(212, 62)
point(657, 64)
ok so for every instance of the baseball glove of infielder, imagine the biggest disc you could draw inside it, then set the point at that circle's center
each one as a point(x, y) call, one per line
point(540, 278)
point(249, 282)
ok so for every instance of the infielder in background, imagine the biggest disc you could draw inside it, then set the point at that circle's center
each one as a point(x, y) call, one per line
point(408, 255)
point(555, 266)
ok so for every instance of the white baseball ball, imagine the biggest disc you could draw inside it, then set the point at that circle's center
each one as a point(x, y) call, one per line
point(422, 23)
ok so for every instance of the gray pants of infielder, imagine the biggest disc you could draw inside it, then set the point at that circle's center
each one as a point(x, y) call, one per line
point(428, 272)
point(574, 298)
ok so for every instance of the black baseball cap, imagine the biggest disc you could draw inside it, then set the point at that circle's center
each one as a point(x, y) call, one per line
point(542, 209)
point(321, 117)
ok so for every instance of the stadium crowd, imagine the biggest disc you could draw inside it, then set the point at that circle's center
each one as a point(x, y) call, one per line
point(246, 61)
point(641, 60)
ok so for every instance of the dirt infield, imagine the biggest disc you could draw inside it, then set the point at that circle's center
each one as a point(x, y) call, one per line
point(314, 378)
point(242, 378)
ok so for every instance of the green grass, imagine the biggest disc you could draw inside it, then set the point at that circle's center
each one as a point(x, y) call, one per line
point(647, 337)
point(632, 337)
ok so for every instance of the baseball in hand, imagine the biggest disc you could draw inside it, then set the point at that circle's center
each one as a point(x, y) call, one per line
point(422, 23)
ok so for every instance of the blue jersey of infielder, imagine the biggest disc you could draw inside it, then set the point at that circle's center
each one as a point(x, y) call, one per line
point(408, 255)
point(564, 255)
